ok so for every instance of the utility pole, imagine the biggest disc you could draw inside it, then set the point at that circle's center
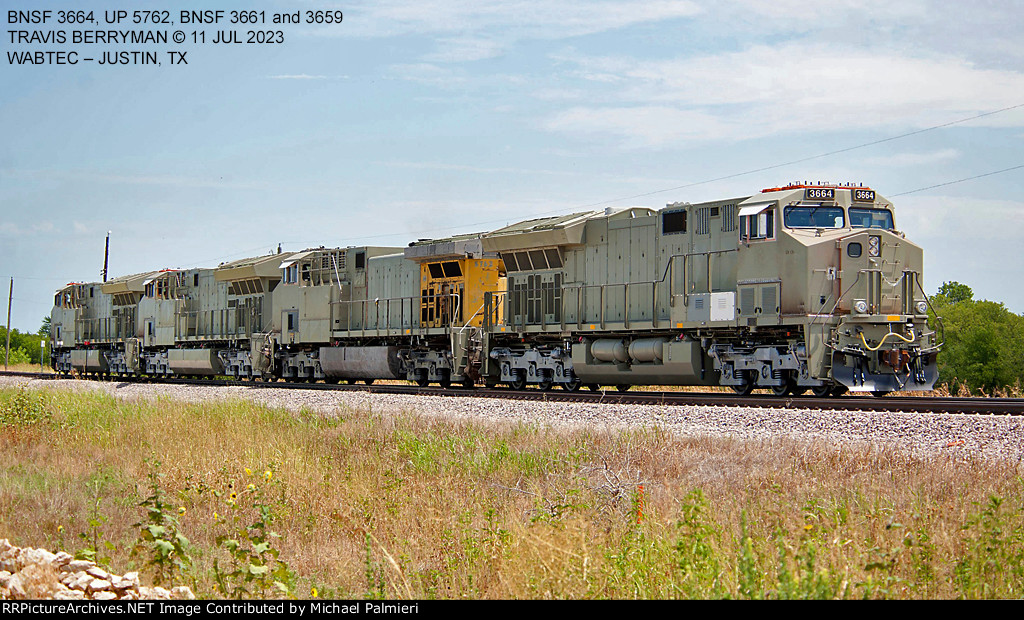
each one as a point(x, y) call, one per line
point(106, 254)
point(10, 296)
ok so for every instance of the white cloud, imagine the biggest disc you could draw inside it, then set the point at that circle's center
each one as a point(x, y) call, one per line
point(965, 217)
point(95, 176)
point(900, 160)
point(822, 13)
point(464, 49)
point(467, 168)
point(523, 18)
point(428, 73)
point(640, 126)
point(301, 76)
point(795, 87)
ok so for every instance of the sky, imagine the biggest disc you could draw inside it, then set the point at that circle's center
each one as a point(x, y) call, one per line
point(426, 118)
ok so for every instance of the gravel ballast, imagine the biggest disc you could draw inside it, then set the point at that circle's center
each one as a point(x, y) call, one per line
point(965, 436)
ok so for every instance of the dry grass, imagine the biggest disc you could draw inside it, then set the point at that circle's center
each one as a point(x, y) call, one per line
point(27, 368)
point(390, 504)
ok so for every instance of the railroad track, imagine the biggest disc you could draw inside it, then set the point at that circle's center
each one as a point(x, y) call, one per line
point(918, 404)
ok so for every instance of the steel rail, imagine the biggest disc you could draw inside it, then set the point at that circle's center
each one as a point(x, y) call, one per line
point(895, 404)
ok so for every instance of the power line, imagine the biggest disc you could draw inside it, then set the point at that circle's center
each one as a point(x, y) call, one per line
point(819, 156)
point(987, 174)
point(764, 169)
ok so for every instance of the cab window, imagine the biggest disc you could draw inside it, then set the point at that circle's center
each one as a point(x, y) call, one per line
point(757, 226)
point(814, 217)
point(861, 217)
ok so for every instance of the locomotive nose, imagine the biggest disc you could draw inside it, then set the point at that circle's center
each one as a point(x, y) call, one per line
point(883, 340)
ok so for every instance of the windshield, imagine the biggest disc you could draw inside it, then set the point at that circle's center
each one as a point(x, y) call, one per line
point(870, 218)
point(814, 217)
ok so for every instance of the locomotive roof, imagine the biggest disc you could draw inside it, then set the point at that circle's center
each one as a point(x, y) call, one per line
point(458, 246)
point(134, 283)
point(266, 266)
point(552, 231)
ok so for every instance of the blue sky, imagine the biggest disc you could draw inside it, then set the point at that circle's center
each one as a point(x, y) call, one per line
point(433, 117)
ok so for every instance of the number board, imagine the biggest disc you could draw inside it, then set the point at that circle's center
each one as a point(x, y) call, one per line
point(820, 193)
point(864, 195)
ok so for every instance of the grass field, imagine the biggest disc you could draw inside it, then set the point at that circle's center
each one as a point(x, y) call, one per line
point(239, 500)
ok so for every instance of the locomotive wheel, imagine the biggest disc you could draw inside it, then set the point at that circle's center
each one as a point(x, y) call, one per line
point(748, 384)
point(518, 383)
point(572, 386)
point(880, 393)
point(445, 383)
point(422, 381)
point(593, 387)
point(745, 389)
point(622, 388)
point(368, 381)
point(788, 387)
point(468, 383)
point(822, 391)
point(545, 385)
point(839, 390)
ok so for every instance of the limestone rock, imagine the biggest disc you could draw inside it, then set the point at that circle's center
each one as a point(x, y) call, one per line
point(40, 574)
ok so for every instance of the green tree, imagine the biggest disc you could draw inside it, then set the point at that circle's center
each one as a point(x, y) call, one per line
point(984, 341)
point(27, 344)
point(953, 293)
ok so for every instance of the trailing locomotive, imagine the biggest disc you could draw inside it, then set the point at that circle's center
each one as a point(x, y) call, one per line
point(793, 289)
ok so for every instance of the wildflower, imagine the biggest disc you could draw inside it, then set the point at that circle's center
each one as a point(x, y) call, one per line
point(268, 475)
point(181, 510)
point(250, 488)
point(313, 592)
point(215, 515)
point(809, 527)
point(60, 529)
point(640, 504)
point(233, 496)
point(248, 472)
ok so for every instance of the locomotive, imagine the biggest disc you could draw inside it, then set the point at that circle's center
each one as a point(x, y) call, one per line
point(796, 288)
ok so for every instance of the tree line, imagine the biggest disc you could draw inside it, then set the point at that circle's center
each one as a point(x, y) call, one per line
point(983, 342)
point(25, 347)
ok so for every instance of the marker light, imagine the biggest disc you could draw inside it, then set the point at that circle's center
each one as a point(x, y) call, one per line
point(861, 306)
point(922, 307)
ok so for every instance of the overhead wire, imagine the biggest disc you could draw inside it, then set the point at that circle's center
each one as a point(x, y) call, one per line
point(764, 169)
point(979, 176)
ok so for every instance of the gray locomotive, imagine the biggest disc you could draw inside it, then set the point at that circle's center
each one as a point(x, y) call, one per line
point(797, 288)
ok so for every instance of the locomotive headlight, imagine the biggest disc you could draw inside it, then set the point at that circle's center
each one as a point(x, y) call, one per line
point(874, 245)
point(861, 306)
point(922, 307)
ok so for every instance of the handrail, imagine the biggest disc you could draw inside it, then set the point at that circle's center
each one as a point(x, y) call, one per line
point(517, 304)
point(412, 302)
